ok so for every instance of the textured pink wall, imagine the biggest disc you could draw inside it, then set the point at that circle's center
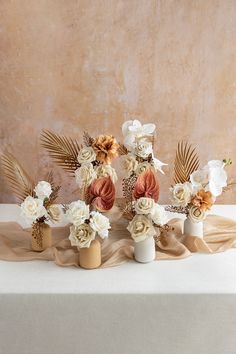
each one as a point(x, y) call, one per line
point(74, 65)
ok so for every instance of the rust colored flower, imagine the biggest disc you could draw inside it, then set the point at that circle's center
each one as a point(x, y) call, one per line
point(102, 193)
point(147, 186)
point(203, 200)
point(106, 148)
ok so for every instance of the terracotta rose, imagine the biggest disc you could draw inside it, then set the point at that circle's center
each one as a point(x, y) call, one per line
point(147, 186)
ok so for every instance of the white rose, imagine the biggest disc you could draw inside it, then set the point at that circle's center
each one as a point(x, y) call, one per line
point(144, 205)
point(107, 171)
point(196, 214)
point(143, 148)
point(133, 129)
point(157, 164)
point(159, 215)
point(33, 208)
point(143, 167)
point(43, 190)
point(99, 223)
point(81, 236)
point(141, 228)
point(129, 164)
point(181, 194)
point(55, 212)
point(85, 175)
point(86, 155)
point(77, 212)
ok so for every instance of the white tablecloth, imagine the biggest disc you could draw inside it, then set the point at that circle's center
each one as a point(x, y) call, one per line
point(183, 306)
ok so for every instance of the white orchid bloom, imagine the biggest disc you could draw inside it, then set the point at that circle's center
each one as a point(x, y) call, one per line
point(133, 130)
point(157, 164)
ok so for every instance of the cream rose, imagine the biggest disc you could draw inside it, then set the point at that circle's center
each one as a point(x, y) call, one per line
point(99, 223)
point(107, 171)
point(86, 155)
point(129, 164)
point(33, 208)
point(196, 214)
point(77, 212)
point(85, 175)
point(55, 212)
point(141, 228)
point(144, 205)
point(143, 167)
point(181, 193)
point(81, 236)
point(158, 215)
point(143, 148)
point(43, 190)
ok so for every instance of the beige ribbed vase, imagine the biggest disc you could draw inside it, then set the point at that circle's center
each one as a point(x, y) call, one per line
point(41, 236)
point(90, 258)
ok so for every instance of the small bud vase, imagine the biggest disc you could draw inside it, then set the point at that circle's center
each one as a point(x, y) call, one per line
point(90, 258)
point(41, 236)
point(144, 251)
point(193, 228)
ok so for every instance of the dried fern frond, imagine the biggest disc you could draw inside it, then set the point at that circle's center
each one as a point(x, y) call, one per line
point(186, 162)
point(55, 189)
point(88, 140)
point(62, 150)
point(122, 150)
point(19, 181)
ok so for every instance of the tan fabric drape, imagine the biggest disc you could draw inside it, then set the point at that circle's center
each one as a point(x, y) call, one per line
point(219, 236)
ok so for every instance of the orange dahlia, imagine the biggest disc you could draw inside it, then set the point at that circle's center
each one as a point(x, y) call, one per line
point(106, 148)
point(203, 200)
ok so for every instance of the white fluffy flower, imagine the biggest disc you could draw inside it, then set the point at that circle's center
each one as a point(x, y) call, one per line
point(81, 236)
point(43, 190)
point(55, 212)
point(144, 205)
point(107, 171)
point(85, 175)
point(133, 129)
point(181, 193)
point(33, 208)
point(129, 164)
point(77, 212)
point(86, 155)
point(157, 164)
point(99, 223)
point(158, 215)
point(143, 148)
point(141, 228)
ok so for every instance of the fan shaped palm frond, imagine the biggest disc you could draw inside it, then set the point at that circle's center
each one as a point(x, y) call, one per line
point(186, 162)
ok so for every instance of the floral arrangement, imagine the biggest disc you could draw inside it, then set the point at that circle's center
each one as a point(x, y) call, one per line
point(149, 219)
point(86, 224)
point(197, 188)
point(90, 164)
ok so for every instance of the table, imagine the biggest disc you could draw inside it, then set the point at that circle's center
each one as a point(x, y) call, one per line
point(183, 306)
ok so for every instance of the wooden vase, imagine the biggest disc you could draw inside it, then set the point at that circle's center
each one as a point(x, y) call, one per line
point(41, 236)
point(90, 258)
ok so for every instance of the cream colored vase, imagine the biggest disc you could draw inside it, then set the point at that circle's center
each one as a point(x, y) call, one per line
point(90, 258)
point(144, 251)
point(193, 228)
point(41, 236)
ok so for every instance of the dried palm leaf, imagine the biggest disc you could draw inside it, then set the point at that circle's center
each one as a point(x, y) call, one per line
point(19, 181)
point(186, 162)
point(88, 140)
point(122, 150)
point(62, 150)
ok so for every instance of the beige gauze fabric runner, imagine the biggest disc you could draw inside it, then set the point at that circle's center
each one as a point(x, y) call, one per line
point(219, 236)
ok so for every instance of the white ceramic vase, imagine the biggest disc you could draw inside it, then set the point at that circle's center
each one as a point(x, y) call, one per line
point(193, 228)
point(144, 251)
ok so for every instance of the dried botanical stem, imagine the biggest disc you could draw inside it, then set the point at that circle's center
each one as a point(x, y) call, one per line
point(186, 162)
point(177, 209)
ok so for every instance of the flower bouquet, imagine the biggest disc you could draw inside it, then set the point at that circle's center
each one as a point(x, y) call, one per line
point(90, 164)
point(86, 225)
point(196, 189)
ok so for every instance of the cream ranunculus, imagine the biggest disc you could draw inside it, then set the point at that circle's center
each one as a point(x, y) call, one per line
point(33, 208)
point(196, 214)
point(143, 148)
point(99, 223)
point(55, 212)
point(77, 212)
point(129, 164)
point(144, 205)
point(143, 167)
point(159, 215)
point(181, 193)
point(86, 155)
point(141, 228)
point(107, 171)
point(43, 190)
point(85, 175)
point(81, 236)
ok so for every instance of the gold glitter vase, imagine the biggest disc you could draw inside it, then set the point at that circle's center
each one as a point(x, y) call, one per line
point(90, 258)
point(41, 236)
